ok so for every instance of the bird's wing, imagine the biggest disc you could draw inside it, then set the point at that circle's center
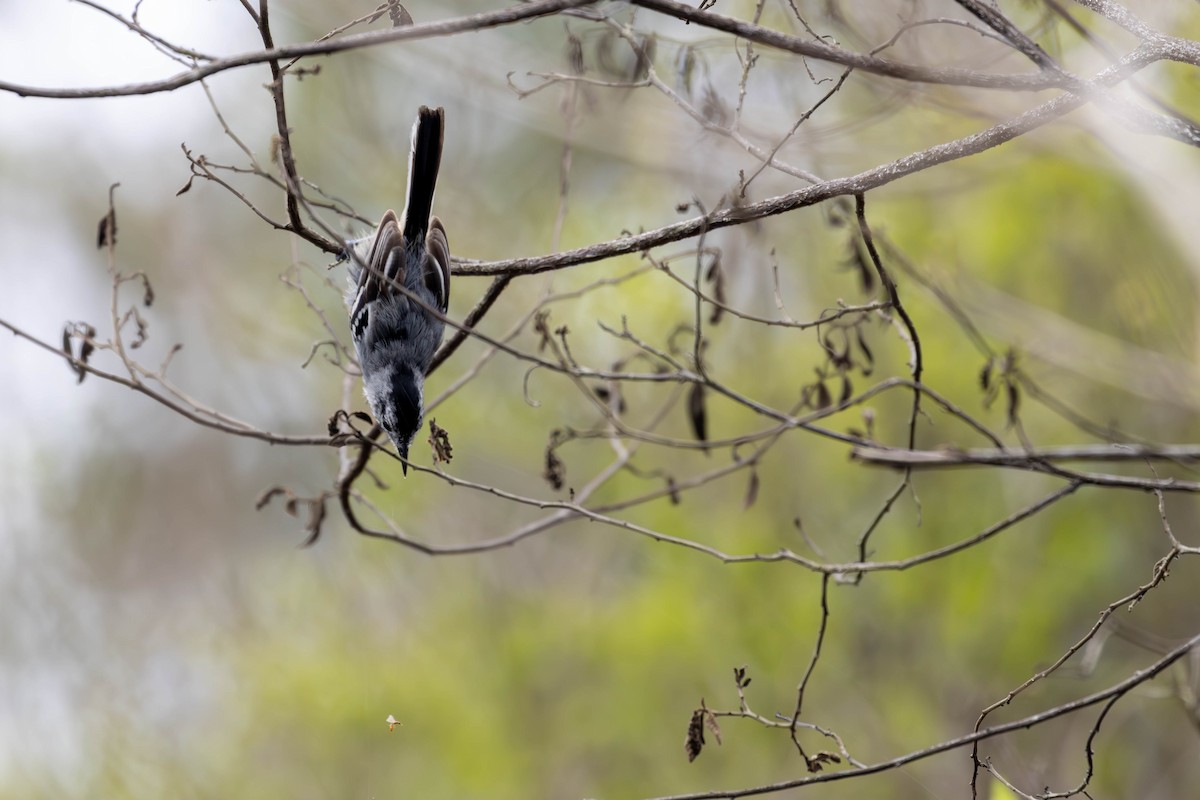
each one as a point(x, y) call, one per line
point(437, 273)
point(383, 270)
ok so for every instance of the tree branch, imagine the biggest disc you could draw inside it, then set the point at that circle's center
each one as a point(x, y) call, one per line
point(429, 30)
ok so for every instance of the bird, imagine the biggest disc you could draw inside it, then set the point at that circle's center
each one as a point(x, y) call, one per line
point(395, 335)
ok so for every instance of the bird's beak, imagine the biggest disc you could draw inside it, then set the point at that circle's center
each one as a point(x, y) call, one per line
point(404, 461)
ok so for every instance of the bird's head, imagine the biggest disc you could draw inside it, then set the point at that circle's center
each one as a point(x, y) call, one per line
point(395, 397)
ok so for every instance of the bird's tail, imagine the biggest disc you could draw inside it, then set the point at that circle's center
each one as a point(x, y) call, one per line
point(424, 160)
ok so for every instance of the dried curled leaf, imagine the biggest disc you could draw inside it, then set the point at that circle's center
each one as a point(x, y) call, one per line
point(858, 261)
point(710, 722)
point(87, 348)
point(342, 416)
point(140, 326)
point(823, 398)
point(439, 440)
point(715, 275)
point(685, 71)
point(702, 718)
point(868, 357)
point(611, 395)
point(85, 333)
point(316, 516)
point(147, 290)
point(847, 390)
point(575, 53)
point(645, 50)
point(106, 230)
point(713, 107)
point(315, 505)
point(695, 735)
point(836, 344)
point(696, 412)
point(542, 328)
point(267, 496)
point(817, 761)
point(555, 472)
point(751, 490)
point(985, 375)
point(398, 14)
point(1014, 401)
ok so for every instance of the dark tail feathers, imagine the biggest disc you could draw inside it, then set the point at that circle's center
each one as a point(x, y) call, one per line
point(423, 165)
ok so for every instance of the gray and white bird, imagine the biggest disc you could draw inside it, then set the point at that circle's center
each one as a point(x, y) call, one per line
point(394, 336)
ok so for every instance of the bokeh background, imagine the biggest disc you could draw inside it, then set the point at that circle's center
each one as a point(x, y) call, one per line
point(161, 637)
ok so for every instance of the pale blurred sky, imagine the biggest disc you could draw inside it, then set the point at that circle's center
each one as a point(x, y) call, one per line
point(56, 156)
point(63, 44)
